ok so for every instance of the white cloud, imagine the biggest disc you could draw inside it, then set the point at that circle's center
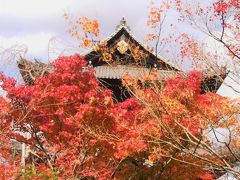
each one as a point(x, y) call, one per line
point(37, 44)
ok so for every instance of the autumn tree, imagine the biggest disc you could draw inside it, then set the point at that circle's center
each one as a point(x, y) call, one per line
point(218, 22)
point(54, 117)
point(73, 128)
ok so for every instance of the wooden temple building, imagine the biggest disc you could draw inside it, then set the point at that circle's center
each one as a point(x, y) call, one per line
point(122, 45)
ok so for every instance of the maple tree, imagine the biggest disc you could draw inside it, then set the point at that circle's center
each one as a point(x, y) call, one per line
point(214, 21)
point(217, 21)
point(73, 129)
point(56, 114)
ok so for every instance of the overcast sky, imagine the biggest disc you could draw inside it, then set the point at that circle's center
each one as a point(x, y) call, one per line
point(34, 22)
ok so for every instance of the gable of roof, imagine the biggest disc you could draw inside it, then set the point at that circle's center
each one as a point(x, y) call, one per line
point(123, 33)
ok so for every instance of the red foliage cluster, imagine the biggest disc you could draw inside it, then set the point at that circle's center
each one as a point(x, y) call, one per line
point(222, 6)
point(74, 129)
point(55, 114)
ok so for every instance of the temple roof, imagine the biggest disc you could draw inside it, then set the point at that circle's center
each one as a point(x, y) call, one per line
point(117, 70)
point(30, 70)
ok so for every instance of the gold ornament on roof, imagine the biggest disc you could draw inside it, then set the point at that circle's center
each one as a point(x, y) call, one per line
point(122, 47)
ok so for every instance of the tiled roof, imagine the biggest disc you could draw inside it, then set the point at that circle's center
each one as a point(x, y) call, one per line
point(119, 71)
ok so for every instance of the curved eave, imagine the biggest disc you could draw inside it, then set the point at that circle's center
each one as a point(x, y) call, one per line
point(30, 70)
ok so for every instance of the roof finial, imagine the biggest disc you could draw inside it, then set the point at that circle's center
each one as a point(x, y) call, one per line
point(123, 23)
